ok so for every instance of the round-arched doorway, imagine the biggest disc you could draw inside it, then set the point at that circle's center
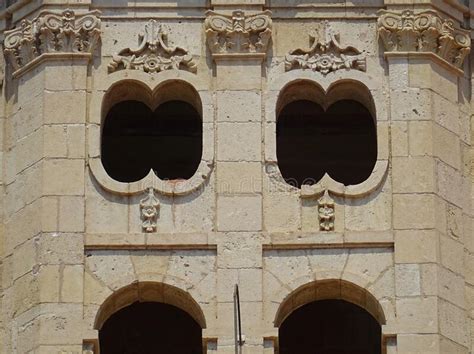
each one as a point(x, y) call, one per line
point(330, 327)
point(150, 328)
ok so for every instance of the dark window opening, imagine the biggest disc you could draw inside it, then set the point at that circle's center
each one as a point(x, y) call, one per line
point(340, 141)
point(330, 327)
point(135, 139)
point(150, 328)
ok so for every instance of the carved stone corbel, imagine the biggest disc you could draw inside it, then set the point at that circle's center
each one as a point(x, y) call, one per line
point(153, 53)
point(325, 54)
point(238, 35)
point(52, 33)
point(425, 32)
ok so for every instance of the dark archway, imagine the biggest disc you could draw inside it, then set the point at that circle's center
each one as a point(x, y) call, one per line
point(330, 327)
point(136, 139)
point(340, 140)
point(150, 328)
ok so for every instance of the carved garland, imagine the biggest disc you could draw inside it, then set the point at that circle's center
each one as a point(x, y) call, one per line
point(238, 33)
point(153, 53)
point(424, 32)
point(52, 32)
point(325, 54)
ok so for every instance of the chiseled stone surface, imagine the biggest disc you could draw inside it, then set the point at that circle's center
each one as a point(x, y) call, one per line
point(73, 246)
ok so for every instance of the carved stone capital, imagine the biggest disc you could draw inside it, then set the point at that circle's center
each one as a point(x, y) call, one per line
point(153, 54)
point(52, 33)
point(424, 32)
point(325, 54)
point(238, 35)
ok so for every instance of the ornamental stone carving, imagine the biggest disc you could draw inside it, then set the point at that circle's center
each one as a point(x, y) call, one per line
point(149, 208)
point(325, 54)
point(326, 212)
point(153, 54)
point(238, 34)
point(52, 32)
point(425, 32)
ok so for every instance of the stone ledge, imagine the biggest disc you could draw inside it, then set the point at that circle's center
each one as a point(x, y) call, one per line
point(313, 246)
point(51, 57)
point(426, 55)
point(148, 242)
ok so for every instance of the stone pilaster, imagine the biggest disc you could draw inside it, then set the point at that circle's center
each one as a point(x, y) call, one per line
point(425, 54)
point(48, 60)
point(238, 43)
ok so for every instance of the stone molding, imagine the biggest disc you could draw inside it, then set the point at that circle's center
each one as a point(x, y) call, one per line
point(153, 53)
point(238, 36)
point(51, 33)
point(331, 87)
point(325, 54)
point(425, 33)
point(151, 84)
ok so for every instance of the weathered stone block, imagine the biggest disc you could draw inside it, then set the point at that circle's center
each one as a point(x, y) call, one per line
point(413, 211)
point(239, 177)
point(72, 177)
point(239, 106)
point(239, 142)
point(420, 246)
point(413, 175)
point(239, 213)
point(65, 107)
point(407, 280)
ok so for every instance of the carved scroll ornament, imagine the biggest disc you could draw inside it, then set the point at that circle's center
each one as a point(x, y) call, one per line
point(325, 54)
point(424, 32)
point(153, 53)
point(52, 32)
point(238, 33)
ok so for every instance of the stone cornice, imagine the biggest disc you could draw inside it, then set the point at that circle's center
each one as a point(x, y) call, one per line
point(63, 33)
point(424, 32)
point(238, 35)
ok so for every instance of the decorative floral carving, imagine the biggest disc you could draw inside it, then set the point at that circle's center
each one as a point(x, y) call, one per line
point(326, 212)
point(325, 54)
point(424, 32)
point(149, 208)
point(238, 33)
point(153, 53)
point(52, 32)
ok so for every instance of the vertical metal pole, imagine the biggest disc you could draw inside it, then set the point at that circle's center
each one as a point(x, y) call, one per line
point(237, 321)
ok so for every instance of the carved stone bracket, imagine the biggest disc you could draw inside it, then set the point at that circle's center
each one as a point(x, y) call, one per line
point(326, 212)
point(425, 32)
point(149, 208)
point(325, 54)
point(52, 33)
point(238, 35)
point(153, 53)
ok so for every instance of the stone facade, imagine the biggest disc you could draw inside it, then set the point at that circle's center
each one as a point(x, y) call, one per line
point(76, 245)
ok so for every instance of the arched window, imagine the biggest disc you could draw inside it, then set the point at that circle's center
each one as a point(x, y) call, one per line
point(166, 139)
point(330, 327)
point(320, 133)
point(150, 328)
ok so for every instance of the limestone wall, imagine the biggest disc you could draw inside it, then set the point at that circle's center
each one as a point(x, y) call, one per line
point(73, 246)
